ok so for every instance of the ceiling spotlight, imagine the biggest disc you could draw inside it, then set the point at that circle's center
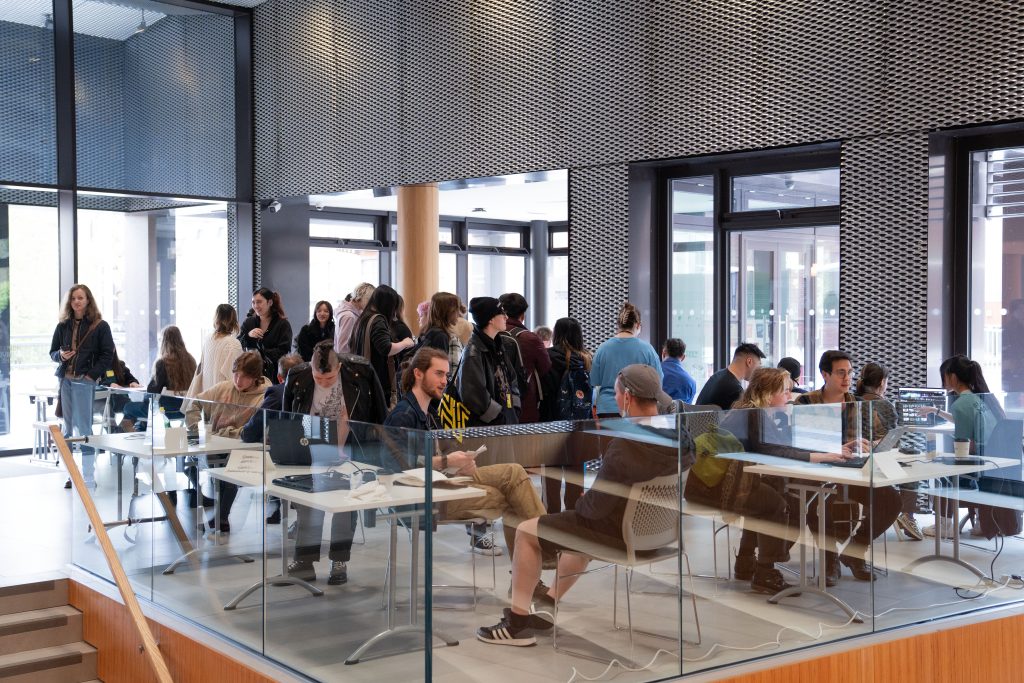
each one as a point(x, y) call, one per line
point(479, 209)
point(319, 206)
point(48, 22)
point(274, 206)
point(141, 28)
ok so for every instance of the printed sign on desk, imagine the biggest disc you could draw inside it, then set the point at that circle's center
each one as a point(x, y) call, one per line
point(249, 461)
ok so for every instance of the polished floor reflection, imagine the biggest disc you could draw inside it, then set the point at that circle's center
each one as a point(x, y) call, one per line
point(314, 635)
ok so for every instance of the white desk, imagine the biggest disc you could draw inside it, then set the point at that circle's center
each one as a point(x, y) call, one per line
point(136, 444)
point(337, 502)
point(820, 481)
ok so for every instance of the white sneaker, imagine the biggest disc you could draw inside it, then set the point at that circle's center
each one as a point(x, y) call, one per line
point(946, 526)
point(484, 546)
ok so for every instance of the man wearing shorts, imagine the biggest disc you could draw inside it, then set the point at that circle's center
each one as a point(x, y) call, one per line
point(596, 519)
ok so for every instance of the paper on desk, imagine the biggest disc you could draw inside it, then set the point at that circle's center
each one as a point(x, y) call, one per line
point(248, 461)
point(371, 491)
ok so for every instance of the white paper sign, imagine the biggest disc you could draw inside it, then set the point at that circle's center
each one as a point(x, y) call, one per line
point(886, 465)
point(248, 461)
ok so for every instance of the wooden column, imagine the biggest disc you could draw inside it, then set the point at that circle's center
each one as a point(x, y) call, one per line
point(416, 279)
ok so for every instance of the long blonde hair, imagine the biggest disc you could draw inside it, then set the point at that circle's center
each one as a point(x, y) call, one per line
point(764, 384)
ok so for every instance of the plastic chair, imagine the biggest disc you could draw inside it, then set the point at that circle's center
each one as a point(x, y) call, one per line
point(650, 531)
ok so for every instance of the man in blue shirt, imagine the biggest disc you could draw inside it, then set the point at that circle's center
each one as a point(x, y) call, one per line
point(677, 382)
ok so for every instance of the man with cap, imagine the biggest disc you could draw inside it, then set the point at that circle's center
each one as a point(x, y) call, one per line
point(487, 378)
point(597, 517)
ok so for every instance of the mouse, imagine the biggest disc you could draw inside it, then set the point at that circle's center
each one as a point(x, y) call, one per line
point(909, 450)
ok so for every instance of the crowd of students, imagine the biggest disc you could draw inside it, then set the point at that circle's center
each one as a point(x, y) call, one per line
point(359, 362)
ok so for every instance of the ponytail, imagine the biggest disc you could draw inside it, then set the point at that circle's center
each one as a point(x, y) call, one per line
point(276, 308)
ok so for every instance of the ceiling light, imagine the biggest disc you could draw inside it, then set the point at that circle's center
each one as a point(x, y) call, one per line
point(141, 28)
point(479, 209)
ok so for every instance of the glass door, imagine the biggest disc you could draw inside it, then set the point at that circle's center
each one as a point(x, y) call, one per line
point(784, 292)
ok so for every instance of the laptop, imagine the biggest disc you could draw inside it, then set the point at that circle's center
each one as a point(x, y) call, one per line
point(888, 442)
point(910, 399)
point(320, 482)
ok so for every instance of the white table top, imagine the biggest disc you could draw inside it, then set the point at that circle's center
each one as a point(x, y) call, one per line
point(136, 444)
point(940, 428)
point(915, 468)
point(341, 501)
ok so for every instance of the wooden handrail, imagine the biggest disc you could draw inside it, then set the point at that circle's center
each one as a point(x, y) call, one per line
point(149, 645)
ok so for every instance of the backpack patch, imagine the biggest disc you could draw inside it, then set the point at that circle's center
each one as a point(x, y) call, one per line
point(575, 391)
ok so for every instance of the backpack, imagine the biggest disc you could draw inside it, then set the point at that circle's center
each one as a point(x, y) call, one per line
point(521, 375)
point(575, 391)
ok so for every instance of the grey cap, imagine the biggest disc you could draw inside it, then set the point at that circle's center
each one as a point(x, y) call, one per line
point(643, 382)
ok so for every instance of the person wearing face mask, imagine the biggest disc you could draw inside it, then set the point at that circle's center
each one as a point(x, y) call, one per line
point(881, 505)
point(597, 517)
point(625, 348)
point(723, 388)
point(337, 392)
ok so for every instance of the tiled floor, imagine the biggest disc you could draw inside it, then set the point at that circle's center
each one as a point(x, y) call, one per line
point(314, 635)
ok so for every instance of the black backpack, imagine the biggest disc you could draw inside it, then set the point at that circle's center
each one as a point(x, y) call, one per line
point(574, 392)
point(517, 362)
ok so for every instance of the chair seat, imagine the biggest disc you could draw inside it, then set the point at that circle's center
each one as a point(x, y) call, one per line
point(612, 555)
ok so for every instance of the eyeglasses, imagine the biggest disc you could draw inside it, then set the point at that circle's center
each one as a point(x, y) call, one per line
point(842, 374)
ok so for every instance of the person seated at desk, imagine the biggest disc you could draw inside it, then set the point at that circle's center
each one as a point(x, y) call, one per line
point(227, 406)
point(722, 483)
point(597, 517)
point(723, 388)
point(172, 372)
point(119, 376)
point(974, 414)
point(509, 493)
point(336, 391)
point(881, 504)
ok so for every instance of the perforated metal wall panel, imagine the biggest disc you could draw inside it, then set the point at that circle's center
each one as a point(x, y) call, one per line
point(28, 146)
point(883, 268)
point(487, 87)
point(599, 281)
point(233, 228)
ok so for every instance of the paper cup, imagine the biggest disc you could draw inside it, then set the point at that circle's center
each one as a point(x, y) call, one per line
point(961, 449)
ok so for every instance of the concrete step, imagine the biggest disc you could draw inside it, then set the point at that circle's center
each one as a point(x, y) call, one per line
point(26, 597)
point(69, 663)
point(39, 628)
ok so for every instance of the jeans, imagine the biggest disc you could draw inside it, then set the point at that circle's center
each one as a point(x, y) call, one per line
point(310, 534)
point(76, 405)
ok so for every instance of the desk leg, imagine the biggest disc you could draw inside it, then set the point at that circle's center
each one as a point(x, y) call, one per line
point(207, 547)
point(413, 626)
point(281, 580)
point(938, 556)
point(805, 587)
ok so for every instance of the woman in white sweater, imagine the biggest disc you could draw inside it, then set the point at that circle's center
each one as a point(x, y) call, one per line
point(220, 350)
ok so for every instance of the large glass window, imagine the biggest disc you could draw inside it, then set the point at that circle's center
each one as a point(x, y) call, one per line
point(691, 295)
point(495, 275)
point(996, 316)
point(334, 270)
point(29, 310)
point(153, 267)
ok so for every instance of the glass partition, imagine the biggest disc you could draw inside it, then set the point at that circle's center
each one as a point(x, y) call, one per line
point(692, 541)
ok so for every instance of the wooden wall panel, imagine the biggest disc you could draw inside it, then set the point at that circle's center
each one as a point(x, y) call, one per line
point(107, 626)
point(989, 652)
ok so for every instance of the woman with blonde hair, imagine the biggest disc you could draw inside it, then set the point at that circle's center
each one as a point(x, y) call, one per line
point(723, 484)
point(625, 348)
point(347, 314)
point(218, 352)
point(83, 349)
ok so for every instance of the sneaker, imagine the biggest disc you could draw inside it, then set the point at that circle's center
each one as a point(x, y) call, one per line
point(537, 621)
point(946, 530)
point(832, 570)
point(504, 633)
point(976, 532)
point(339, 573)
point(540, 595)
point(908, 525)
point(769, 580)
point(275, 517)
point(484, 546)
point(67, 484)
point(302, 569)
point(744, 569)
point(860, 569)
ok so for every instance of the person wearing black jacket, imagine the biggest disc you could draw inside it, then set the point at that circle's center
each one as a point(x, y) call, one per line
point(487, 379)
point(337, 389)
point(267, 330)
point(372, 338)
point(83, 348)
point(321, 327)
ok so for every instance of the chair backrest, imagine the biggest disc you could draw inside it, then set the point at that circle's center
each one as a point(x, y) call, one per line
point(701, 419)
point(651, 520)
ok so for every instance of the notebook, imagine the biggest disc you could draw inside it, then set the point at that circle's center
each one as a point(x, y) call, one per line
point(315, 483)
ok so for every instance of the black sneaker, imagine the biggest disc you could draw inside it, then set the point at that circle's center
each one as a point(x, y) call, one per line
point(860, 569)
point(339, 573)
point(744, 569)
point(537, 622)
point(302, 569)
point(504, 633)
point(483, 545)
point(540, 595)
point(768, 580)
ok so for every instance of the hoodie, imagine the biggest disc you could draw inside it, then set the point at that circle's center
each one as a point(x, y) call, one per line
point(227, 408)
point(344, 322)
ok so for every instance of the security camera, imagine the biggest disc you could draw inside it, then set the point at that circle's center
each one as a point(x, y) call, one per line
point(319, 206)
point(274, 206)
